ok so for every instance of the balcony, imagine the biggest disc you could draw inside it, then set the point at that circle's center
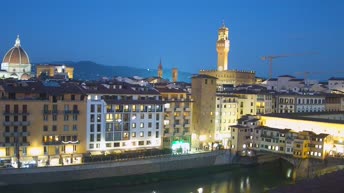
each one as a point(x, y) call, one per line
point(76, 111)
point(177, 134)
point(67, 111)
point(24, 144)
point(7, 123)
point(110, 110)
point(177, 126)
point(25, 133)
point(269, 136)
point(46, 112)
point(186, 132)
point(52, 142)
point(178, 109)
point(24, 123)
point(54, 111)
point(187, 125)
point(8, 134)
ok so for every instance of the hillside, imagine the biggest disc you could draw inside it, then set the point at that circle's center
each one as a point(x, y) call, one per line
point(88, 70)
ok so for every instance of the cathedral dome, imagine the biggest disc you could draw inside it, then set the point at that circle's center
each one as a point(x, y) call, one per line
point(16, 55)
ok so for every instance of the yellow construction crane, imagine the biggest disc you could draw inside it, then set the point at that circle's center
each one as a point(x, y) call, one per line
point(270, 58)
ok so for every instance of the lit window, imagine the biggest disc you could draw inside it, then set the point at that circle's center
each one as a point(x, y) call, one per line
point(141, 134)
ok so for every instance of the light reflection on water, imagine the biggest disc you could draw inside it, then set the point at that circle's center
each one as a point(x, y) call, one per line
point(239, 180)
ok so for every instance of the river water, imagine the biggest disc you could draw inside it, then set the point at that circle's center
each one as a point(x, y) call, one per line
point(255, 179)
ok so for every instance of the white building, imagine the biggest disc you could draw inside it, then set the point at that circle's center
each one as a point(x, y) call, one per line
point(310, 103)
point(336, 84)
point(123, 117)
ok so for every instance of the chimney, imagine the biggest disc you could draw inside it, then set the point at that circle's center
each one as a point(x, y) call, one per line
point(174, 74)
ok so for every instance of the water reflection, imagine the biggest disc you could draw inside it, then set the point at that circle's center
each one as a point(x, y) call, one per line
point(237, 180)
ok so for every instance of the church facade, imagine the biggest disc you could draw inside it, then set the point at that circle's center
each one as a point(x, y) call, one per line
point(16, 63)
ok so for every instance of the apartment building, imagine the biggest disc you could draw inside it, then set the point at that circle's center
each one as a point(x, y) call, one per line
point(121, 116)
point(177, 119)
point(42, 123)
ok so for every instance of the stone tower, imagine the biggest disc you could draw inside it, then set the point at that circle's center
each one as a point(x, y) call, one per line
point(160, 70)
point(222, 48)
point(174, 74)
point(204, 106)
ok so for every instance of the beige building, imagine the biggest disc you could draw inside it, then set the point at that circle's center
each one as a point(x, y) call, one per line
point(203, 112)
point(177, 119)
point(327, 126)
point(44, 123)
point(225, 116)
point(54, 70)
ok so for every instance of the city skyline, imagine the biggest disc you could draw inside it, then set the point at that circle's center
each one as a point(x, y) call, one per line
point(184, 35)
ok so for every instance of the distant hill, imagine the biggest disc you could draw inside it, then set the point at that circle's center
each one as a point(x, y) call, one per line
point(88, 70)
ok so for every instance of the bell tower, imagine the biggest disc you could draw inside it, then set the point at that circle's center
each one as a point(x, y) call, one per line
point(160, 69)
point(222, 48)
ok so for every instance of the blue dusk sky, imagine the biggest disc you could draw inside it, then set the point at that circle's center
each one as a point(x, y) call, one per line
point(182, 32)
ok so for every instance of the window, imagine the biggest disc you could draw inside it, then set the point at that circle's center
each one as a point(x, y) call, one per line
point(99, 127)
point(133, 134)
point(66, 117)
point(142, 125)
point(54, 128)
point(92, 128)
point(24, 118)
point(141, 142)
point(133, 125)
point(148, 143)
point(142, 116)
point(16, 109)
point(45, 117)
point(75, 127)
point(54, 117)
point(75, 117)
point(99, 108)
point(116, 144)
point(141, 134)
point(99, 118)
point(92, 118)
point(65, 128)
point(24, 129)
point(157, 134)
point(45, 128)
point(150, 115)
point(24, 108)
point(98, 137)
point(92, 138)
point(149, 133)
point(92, 108)
point(24, 150)
point(7, 151)
point(91, 146)
point(7, 108)
point(149, 125)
